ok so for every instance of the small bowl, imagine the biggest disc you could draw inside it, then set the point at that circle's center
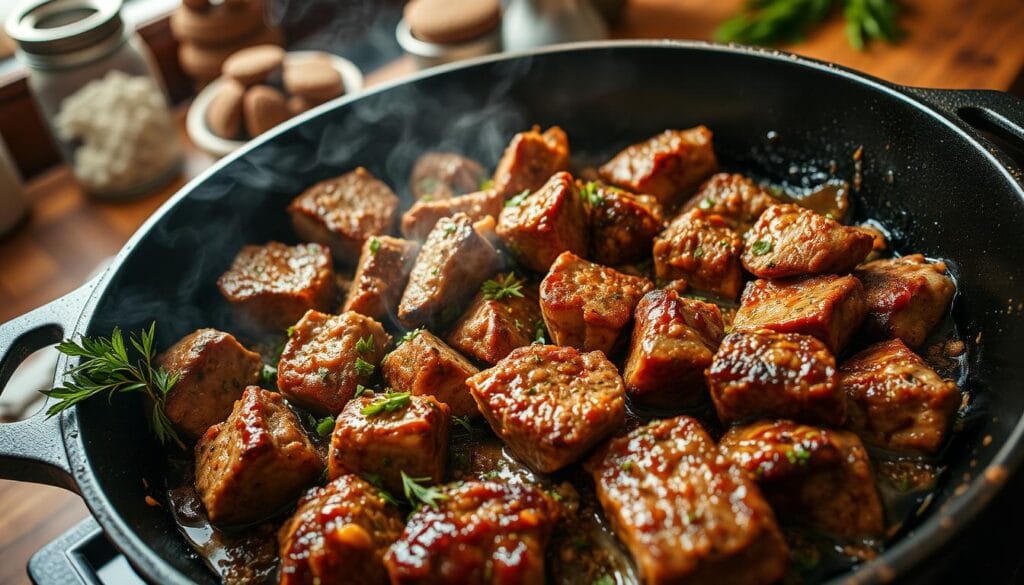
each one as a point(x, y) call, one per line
point(427, 54)
point(204, 138)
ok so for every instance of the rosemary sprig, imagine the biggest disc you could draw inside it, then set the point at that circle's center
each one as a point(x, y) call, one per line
point(502, 287)
point(420, 494)
point(772, 22)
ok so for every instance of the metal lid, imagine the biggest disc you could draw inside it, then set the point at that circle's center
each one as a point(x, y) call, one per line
point(52, 30)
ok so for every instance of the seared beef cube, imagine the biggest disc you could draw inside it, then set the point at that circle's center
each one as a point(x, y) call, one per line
point(424, 365)
point(668, 166)
point(479, 533)
point(545, 223)
point(829, 307)
point(344, 212)
point(327, 356)
point(381, 274)
point(788, 240)
point(586, 305)
point(685, 513)
point(339, 534)
point(386, 434)
point(255, 462)
point(896, 401)
point(453, 263)
point(673, 342)
point(530, 159)
point(702, 250)
point(423, 215)
point(213, 369)
point(812, 476)
point(274, 285)
point(735, 198)
point(906, 297)
point(442, 175)
point(763, 374)
point(622, 225)
point(551, 404)
point(492, 327)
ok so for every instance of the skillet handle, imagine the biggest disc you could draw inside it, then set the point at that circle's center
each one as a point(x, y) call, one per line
point(33, 449)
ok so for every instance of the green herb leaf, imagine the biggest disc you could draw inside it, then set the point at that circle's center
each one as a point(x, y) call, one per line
point(706, 203)
point(503, 287)
point(269, 376)
point(761, 247)
point(604, 580)
point(325, 426)
point(539, 332)
point(420, 494)
point(375, 480)
point(390, 402)
point(486, 184)
point(591, 192)
point(360, 390)
point(324, 373)
point(290, 331)
point(374, 246)
point(517, 199)
point(364, 368)
point(463, 422)
point(365, 345)
point(698, 252)
point(410, 335)
point(771, 22)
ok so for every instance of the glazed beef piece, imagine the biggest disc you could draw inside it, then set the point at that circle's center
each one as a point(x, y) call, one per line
point(339, 534)
point(492, 327)
point(830, 308)
point(896, 401)
point(551, 404)
point(702, 250)
point(812, 476)
point(442, 175)
point(344, 212)
point(453, 263)
point(481, 533)
point(327, 356)
point(668, 166)
point(425, 366)
point(674, 340)
point(381, 274)
point(530, 159)
point(423, 215)
point(213, 369)
point(906, 297)
point(273, 285)
point(586, 305)
point(543, 224)
point(763, 374)
point(255, 462)
point(383, 435)
point(622, 224)
point(735, 198)
point(685, 513)
point(789, 240)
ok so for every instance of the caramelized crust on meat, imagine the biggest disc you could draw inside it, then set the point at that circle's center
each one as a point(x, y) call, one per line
point(813, 476)
point(324, 359)
point(734, 198)
point(338, 534)
point(586, 305)
point(622, 224)
point(702, 250)
point(896, 401)
point(423, 215)
point(684, 512)
point(344, 211)
point(273, 285)
point(443, 175)
point(381, 274)
point(673, 342)
point(254, 463)
point(906, 297)
point(481, 533)
point(830, 308)
point(424, 365)
point(491, 329)
point(545, 223)
point(788, 240)
point(530, 159)
point(551, 404)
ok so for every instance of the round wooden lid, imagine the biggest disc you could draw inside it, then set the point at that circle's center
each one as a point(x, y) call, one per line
point(452, 21)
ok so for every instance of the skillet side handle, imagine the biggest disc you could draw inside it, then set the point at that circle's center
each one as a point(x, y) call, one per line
point(33, 449)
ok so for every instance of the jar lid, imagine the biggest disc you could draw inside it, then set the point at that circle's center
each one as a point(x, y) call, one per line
point(48, 29)
point(445, 21)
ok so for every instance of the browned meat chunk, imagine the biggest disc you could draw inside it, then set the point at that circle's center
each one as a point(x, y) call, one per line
point(763, 374)
point(551, 404)
point(684, 512)
point(480, 533)
point(381, 274)
point(327, 356)
point(274, 285)
point(386, 434)
point(829, 307)
point(543, 224)
point(453, 263)
point(812, 476)
point(424, 365)
point(702, 250)
point(530, 159)
point(906, 297)
point(423, 215)
point(344, 212)
point(496, 322)
point(896, 401)
point(442, 175)
point(255, 462)
point(673, 342)
point(622, 225)
point(586, 305)
point(734, 198)
point(788, 240)
point(668, 166)
point(339, 534)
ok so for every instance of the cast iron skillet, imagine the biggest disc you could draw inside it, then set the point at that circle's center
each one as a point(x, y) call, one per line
point(942, 186)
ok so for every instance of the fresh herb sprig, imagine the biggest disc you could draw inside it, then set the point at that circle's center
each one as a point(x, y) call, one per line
point(502, 287)
point(772, 22)
point(390, 402)
point(421, 494)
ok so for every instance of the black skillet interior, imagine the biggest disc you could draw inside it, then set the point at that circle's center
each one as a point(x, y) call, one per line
point(936, 191)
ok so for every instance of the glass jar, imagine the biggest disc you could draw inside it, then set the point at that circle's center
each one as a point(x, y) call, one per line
point(100, 93)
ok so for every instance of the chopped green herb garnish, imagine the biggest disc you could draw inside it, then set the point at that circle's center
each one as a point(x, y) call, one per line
point(388, 403)
point(591, 193)
point(410, 335)
point(627, 466)
point(516, 200)
point(698, 252)
point(364, 368)
point(374, 245)
point(761, 247)
point(420, 494)
point(463, 421)
point(539, 333)
point(360, 390)
point(269, 375)
point(290, 331)
point(706, 203)
point(492, 474)
point(604, 580)
point(323, 373)
point(435, 271)
point(325, 426)
point(365, 345)
point(450, 229)
point(486, 184)
point(375, 480)
point(502, 287)
point(802, 455)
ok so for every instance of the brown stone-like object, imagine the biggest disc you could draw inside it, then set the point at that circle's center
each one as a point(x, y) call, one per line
point(224, 116)
point(434, 21)
point(315, 79)
point(263, 107)
point(254, 64)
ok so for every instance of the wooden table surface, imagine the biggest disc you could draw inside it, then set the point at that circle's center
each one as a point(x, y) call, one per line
point(950, 43)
